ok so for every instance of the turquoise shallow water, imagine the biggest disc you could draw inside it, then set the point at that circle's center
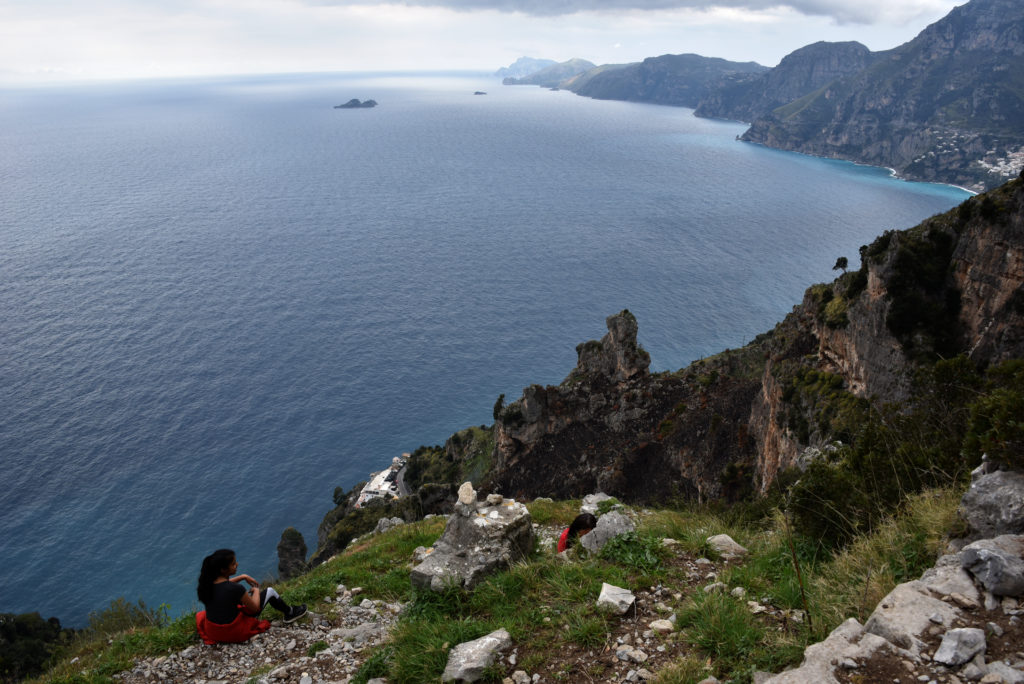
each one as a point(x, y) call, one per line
point(221, 299)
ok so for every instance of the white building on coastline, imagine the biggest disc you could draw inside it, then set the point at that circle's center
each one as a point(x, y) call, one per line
point(386, 484)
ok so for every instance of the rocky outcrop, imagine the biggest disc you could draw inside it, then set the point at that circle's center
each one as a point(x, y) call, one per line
point(799, 73)
point(291, 554)
point(994, 504)
point(944, 107)
point(612, 426)
point(479, 538)
point(617, 356)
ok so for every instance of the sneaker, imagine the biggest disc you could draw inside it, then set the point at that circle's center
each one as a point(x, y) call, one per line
point(295, 613)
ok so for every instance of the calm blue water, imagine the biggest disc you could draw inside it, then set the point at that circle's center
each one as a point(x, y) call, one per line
point(221, 299)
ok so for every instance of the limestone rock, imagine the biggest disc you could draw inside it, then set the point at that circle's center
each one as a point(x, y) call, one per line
point(906, 613)
point(385, 524)
point(847, 641)
point(518, 677)
point(1006, 674)
point(609, 526)
point(630, 654)
point(997, 564)
point(592, 501)
point(615, 599)
point(617, 355)
point(466, 494)
point(994, 505)
point(726, 546)
point(477, 540)
point(291, 554)
point(662, 626)
point(467, 661)
point(960, 645)
point(948, 578)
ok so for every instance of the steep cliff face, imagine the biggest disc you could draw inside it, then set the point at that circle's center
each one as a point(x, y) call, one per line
point(946, 106)
point(729, 424)
point(681, 80)
point(952, 285)
point(988, 271)
point(799, 73)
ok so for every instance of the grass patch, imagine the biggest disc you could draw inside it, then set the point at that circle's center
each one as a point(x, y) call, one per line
point(638, 551)
point(856, 579)
point(554, 512)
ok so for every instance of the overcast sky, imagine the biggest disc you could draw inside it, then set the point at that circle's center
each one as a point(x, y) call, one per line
point(58, 39)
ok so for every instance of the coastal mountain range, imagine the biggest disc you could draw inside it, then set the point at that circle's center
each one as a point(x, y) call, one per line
point(948, 106)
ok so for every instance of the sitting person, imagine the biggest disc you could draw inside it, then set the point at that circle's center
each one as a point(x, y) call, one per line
point(583, 523)
point(231, 609)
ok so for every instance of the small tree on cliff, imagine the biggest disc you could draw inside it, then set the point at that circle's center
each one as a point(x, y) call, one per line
point(841, 263)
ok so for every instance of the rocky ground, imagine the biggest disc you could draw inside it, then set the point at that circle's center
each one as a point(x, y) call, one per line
point(326, 647)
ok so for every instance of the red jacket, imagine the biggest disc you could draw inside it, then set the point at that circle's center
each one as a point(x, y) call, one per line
point(563, 541)
point(238, 630)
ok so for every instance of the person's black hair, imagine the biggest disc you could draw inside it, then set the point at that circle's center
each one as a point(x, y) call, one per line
point(213, 567)
point(583, 521)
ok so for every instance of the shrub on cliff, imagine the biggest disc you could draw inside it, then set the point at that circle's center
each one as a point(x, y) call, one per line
point(924, 304)
point(430, 464)
point(27, 642)
point(895, 450)
point(997, 423)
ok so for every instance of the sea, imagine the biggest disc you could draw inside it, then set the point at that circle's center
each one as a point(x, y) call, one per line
point(222, 298)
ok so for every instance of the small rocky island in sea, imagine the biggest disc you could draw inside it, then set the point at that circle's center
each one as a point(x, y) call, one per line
point(479, 92)
point(356, 104)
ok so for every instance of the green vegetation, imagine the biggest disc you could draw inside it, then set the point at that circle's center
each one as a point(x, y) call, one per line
point(430, 464)
point(924, 302)
point(996, 426)
point(890, 452)
point(475, 449)
point(818, 401)
point(27, 642)
point(642, 553)
point(114, 637)
point(831, 306)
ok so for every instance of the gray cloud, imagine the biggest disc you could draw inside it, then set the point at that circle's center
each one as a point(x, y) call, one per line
point(842, 11)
